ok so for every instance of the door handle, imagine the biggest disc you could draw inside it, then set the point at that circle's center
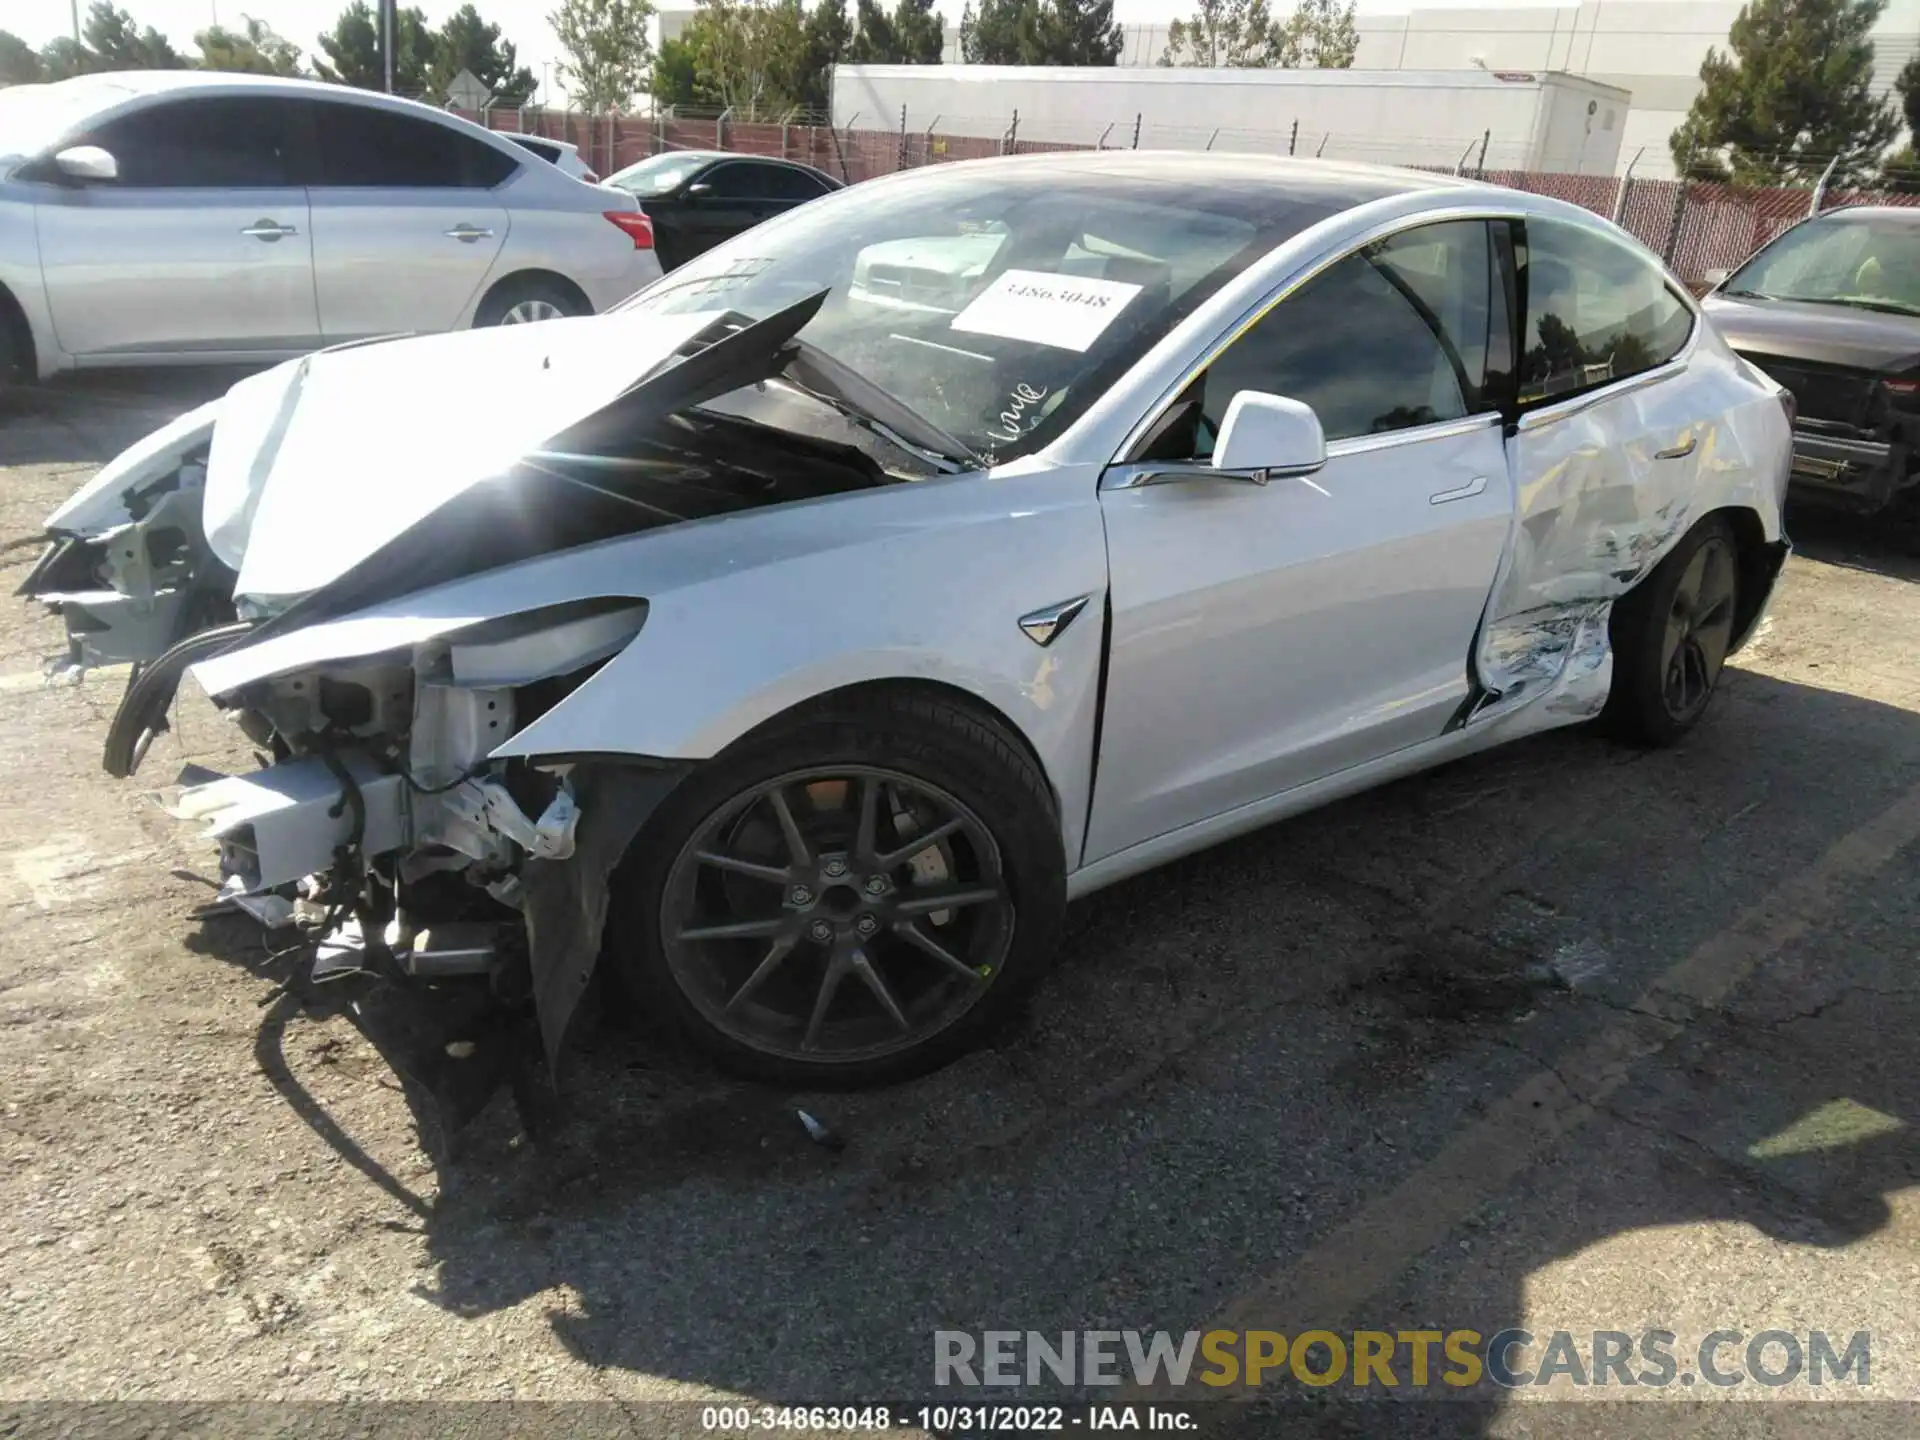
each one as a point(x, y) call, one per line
point(468, 233)
point(269, 230)
point(1459, 492)
point(1680, 451)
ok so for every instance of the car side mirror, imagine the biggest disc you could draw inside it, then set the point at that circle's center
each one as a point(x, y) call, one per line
point(699, 188)
point(87, 162)
point(1269, 433)
point(1716, 278)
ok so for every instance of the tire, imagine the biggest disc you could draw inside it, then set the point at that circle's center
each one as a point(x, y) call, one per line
point(931, 765)
point(1671, 634)
point(12, 362)
point(527, 298)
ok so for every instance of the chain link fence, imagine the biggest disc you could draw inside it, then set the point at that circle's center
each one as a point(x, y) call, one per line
point(1698, 227)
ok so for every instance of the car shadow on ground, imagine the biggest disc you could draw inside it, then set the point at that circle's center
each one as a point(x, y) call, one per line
point(1234, 1058)
point(87, 418)
point(1857, 542)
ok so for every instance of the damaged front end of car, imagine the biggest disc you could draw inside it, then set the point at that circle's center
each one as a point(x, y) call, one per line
point(126, 564)
point(383, 829)
point(393, 627)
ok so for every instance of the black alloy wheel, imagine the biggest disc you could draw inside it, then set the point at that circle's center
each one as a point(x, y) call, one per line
point(854, 893)
point(1671, 636)
point(1699, 630)
point(844, 913)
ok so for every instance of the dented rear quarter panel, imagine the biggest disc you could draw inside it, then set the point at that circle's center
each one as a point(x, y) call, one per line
point(1601, 497)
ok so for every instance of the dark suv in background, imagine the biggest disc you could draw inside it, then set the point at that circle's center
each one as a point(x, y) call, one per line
point(1831, 310)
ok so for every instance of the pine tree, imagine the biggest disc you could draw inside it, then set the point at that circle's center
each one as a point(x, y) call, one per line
point(1040, 32)
point(1794, 91)
point(19, 62)
point(352, 48)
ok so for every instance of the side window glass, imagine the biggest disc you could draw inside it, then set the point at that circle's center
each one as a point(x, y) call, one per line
point(1401, 333)
point(1596, 313)
point(735, 182)
point(216, 142)
point(364, 146)
point(784, 184)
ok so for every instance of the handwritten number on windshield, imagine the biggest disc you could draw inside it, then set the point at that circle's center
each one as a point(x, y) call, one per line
point(1023, 399)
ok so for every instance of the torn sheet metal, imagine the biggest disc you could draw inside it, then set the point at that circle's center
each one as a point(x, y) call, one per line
point(112, 496)
point(1592, 515)
point(281, 824)
point(565, 901)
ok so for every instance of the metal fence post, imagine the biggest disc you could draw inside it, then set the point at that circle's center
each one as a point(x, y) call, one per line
point(838, 153)
point(1820, 190)
point(1626, 187)
point(1480, 170)
point(1680, 197)
point(1101, 143)
point(720, 129)
point(1012, 137)
point(1293, 140)
point(1136, 129)
point(1323, 145)
point(901, 163)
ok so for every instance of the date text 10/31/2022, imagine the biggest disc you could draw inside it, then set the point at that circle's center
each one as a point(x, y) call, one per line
point(946, 1419)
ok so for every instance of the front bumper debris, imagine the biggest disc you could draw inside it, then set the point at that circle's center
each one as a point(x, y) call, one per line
point(1847, 470)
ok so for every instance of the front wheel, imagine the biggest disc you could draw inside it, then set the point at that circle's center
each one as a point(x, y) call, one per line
point(853, 895)
point(1671, 634)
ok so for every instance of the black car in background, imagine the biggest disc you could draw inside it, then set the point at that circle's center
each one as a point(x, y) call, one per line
point(1831, 310)
point(697, 198)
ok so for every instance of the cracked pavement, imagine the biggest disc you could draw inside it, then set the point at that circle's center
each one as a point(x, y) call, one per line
point(1562, 1037)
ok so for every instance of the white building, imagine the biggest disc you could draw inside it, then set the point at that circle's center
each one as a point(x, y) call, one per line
point(1521, 120)
point(1650, 48)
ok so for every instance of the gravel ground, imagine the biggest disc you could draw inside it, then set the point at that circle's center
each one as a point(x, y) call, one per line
point(1564, 1036)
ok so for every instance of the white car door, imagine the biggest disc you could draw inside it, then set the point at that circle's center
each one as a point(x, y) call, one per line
point(406, 223)
point(1608, 451)
point(1264, 636)
point(201, 243)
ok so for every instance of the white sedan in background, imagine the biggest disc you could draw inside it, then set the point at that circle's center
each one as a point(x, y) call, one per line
point(809, 630)
point(561, 154)
point(189, 217)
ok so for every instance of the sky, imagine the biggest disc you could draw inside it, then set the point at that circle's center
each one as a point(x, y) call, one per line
point(523, 21)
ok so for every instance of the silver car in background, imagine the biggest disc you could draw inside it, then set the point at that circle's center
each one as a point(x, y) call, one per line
point(181, 217)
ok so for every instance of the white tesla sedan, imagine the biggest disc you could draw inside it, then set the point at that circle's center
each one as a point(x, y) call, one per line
point(810, 629)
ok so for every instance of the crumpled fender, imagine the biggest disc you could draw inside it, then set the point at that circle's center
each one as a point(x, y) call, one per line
point(754, 613)
point(101, 503)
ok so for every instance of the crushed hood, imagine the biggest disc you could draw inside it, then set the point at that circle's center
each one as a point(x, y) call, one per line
point(316, 464)
point(1829, 334)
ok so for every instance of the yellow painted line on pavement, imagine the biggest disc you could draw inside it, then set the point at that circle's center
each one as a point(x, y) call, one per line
point(1334, 1279)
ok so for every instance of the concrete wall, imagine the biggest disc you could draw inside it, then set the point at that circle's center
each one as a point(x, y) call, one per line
point(1391, 117)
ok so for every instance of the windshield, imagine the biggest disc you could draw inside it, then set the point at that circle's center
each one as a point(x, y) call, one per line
point(995, 301)
point(1866, 261)
point(32, 117)
point(659, 173)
